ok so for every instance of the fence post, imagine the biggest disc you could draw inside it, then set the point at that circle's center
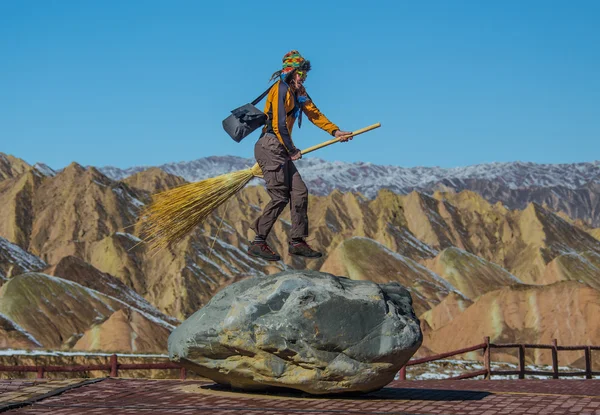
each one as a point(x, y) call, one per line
point(521, 361)
point(182, 373)
point(40, 372)
point(403, 373)
point(554, 359)
point(114, 371)
point(487, 358)
point(588, 362)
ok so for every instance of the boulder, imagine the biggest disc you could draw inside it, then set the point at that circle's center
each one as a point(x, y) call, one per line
point(304, 330)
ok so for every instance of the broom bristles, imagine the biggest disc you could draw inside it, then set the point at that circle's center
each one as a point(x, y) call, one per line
point(175, 212)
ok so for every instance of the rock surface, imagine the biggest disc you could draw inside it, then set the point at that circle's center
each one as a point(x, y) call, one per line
point(304, 330)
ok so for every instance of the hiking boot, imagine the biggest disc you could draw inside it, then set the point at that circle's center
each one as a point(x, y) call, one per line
point(262, 250)
point(301, 248)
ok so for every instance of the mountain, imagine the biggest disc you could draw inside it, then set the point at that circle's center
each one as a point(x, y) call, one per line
point(16, 208)
point(82, 213)
point(153, 180)
point(11, 167)
point(190, 171)
point(76, 270)
point(566, 311)
point(58, 313)
point(572, 188)
point(72, 254)
point(470, 274)
point(368, 178)
point(583, 267)
point(522, 242)
point(365, 259)
point(444, 312)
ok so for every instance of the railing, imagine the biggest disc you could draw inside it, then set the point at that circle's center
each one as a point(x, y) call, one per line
point(487, 347)
point(114, 366)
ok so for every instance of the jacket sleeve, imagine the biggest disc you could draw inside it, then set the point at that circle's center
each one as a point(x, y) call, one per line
point(317, 117)
point(279, 117)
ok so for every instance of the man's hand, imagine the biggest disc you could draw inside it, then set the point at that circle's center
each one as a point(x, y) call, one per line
point(344, 135)
point(296, 156)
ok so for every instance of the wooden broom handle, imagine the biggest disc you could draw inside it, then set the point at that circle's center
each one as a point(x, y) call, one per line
point(335, 140)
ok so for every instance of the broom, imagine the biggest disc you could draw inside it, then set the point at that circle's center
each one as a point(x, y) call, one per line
point(175, 212)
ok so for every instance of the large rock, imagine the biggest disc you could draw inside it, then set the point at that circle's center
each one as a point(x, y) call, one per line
point(301, 329)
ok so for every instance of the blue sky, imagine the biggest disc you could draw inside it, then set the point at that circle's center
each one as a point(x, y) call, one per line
point(453, 83)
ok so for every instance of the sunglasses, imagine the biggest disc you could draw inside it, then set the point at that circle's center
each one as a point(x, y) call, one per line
point(302, 74)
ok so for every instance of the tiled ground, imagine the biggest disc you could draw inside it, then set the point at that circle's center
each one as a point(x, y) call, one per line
point(477, 397)
point(15, 391)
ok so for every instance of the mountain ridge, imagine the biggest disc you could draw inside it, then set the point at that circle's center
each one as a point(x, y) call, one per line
point(572, 188)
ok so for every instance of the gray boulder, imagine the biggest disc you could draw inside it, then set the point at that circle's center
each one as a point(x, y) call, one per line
point(305, 330)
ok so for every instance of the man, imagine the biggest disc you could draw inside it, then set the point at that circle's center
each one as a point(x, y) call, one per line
point(275, 153)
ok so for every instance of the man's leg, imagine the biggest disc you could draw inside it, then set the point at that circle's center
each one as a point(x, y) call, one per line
point(273, 160)
point(298, 205)
point(299, 214)
point(280, 197)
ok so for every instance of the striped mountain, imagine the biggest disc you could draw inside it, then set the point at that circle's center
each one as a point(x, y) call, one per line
point(452, 250)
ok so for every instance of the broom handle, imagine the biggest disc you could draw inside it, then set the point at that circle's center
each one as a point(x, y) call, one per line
point(335, 140)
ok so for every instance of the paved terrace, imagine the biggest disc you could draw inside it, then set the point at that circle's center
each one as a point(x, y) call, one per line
point(142, 396)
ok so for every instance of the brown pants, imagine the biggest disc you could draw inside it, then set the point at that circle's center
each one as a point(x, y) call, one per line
point(284, 185)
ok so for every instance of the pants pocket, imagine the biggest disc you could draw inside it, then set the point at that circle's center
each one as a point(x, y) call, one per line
point(274, 175)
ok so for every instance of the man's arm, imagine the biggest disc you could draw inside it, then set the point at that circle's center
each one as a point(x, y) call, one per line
point(317, 117)
point(321, 121)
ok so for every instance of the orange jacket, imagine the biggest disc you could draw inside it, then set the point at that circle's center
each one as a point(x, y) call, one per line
point(281, 107)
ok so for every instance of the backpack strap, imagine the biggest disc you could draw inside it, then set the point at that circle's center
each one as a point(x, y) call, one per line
point(264, 94)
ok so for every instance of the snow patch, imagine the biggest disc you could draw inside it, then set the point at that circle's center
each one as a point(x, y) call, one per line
point(257, 261)
point(21, 329)
point(225, 226)
point(129, 199)
point(20, 257)
point(129, 236)
point(417, 244)
point(44, 169)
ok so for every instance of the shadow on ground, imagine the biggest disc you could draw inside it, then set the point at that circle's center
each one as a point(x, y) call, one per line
point(389, 393)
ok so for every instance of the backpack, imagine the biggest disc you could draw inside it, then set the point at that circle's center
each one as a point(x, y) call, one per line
point(245, 119)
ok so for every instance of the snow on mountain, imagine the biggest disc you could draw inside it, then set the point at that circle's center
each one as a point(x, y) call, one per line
point(190, 170)
point(367, 178)
point(13, 254)
point(44, 169)
point(21, 330)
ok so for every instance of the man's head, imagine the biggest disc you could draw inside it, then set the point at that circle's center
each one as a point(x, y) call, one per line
point(294, 68)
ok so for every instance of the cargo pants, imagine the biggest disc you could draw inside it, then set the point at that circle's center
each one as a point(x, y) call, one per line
point(284, 185)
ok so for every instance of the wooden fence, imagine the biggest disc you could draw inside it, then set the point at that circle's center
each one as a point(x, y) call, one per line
point(487, 372)
point(486, 347)
point(113, 368)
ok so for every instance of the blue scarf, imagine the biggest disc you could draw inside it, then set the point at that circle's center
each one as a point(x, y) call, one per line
point(298, 104)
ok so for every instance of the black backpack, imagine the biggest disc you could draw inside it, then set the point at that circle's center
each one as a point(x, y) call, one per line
point(245, 119)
